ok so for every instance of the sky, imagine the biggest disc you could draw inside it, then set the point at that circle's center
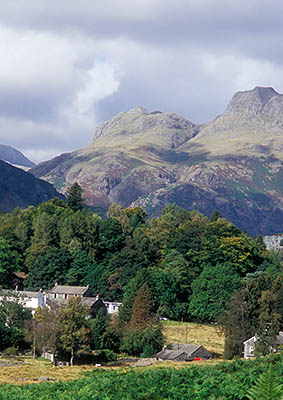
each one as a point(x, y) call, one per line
point(68, 65)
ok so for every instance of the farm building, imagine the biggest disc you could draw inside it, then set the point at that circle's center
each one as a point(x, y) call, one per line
point(183, 352)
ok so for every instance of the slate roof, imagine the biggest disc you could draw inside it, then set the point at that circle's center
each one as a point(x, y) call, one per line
point(75, 290)
point(279, 339)
point(22, 293)
point(29, 294)
point(188, 348)
point(186, 351)
point(170, 354)
point(89, 301)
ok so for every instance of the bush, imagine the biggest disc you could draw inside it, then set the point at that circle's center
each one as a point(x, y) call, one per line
point(111, 340)
point(10, 352)
point(108, 355)
point(146, 342)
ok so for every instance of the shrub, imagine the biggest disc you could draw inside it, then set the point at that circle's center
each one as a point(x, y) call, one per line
point(148, 341)
point(10, 352)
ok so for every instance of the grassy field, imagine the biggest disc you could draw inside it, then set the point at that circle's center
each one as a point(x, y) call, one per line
point(206, 335)
point(29, 372)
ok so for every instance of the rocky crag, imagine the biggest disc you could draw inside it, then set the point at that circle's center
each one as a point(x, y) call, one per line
point(233, 164)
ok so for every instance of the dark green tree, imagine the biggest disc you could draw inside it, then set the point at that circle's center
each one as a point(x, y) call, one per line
point(75, 197)
point(211, 291)
point(48, 268)
point(9, 262)
point(98, 328)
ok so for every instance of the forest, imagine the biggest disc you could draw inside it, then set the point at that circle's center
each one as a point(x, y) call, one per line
point(191, 267)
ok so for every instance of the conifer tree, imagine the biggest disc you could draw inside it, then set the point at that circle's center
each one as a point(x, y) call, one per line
point(142, 308)
point(74, 197)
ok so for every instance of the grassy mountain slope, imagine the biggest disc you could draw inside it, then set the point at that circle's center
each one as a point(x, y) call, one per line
point(233, 164)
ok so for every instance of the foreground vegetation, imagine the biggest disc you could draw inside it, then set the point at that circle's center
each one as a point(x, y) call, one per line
point(226, 380)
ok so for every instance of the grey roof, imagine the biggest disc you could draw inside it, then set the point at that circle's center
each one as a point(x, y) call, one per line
point(188, 348)
point(29, 294)
point(279, 339)
point(61, 289)
point(170, 354)
point(89, 301)
point(22, 293)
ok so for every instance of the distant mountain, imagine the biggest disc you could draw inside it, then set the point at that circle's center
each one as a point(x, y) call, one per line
point(233, 164)
point(15, 157)
point(20, 189)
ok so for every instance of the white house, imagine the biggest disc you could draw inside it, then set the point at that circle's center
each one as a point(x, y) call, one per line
point(249, 345)
point(112, 306)
point(29, 300)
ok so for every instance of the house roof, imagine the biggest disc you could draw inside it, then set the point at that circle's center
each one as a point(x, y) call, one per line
point(253, 339)
point(29, 294)
point(188, 348)
point(279, 339)
point(75, 290)
point(170, 354)
point(85, 301)
point(90, 301)
point(21, 275)
point(22, 293)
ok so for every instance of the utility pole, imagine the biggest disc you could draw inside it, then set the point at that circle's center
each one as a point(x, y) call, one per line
point(186, 327)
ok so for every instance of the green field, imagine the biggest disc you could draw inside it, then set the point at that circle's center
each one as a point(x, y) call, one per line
point(218, 382)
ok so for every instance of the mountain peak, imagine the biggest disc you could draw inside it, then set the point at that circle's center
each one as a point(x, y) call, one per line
point(251, 102)
point(14, 156)
point(138, 126)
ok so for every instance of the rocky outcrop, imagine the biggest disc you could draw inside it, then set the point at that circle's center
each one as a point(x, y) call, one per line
point(274, 242)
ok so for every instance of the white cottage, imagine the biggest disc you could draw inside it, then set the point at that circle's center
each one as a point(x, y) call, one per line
point(29, 300)
point(249, 345)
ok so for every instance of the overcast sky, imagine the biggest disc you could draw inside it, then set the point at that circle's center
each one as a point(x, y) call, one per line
point(67, 65)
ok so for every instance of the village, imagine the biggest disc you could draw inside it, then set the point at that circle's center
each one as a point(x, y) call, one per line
point(59, 295)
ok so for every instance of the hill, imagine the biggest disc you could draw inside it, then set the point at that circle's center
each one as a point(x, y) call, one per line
point(14, 156)
point(233, 164)
point(20, 189)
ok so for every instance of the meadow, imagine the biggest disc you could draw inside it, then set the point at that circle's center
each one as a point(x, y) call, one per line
point(29, 371)
point(217, 382)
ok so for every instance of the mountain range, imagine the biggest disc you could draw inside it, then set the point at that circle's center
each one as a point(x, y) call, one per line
point(233, 164)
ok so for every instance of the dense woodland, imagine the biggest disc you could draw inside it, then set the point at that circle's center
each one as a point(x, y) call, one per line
point(186, 265)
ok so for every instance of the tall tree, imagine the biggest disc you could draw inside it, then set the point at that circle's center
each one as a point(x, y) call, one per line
point(212, 289)
point(142, 308)
point(74, 197)
point(74, 328)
